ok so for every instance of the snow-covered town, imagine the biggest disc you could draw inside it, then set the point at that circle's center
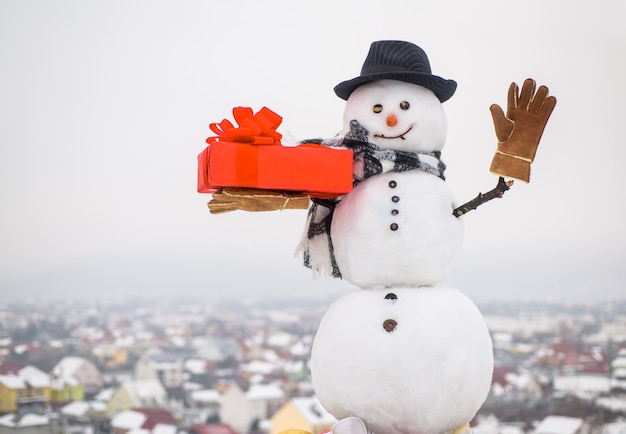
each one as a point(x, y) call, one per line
point(164, 367)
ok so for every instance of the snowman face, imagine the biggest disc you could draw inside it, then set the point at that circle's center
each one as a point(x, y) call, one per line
point(398, 115)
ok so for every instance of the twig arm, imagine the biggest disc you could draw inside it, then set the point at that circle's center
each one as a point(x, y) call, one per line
point(497, 192)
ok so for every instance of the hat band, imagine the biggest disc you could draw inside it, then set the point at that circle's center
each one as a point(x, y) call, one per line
point(382, 69)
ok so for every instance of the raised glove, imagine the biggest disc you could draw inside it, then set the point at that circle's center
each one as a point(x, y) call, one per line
point(252, 199)
point(519, 132)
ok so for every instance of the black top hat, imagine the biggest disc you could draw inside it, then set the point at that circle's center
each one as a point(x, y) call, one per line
point(398, 60)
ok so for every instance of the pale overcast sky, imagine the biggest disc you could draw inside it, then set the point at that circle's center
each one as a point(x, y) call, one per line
point(104, 107)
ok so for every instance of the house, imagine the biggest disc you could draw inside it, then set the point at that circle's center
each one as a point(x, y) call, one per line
point(17, 395)
point(203, 406)
point(127, 420)
point(137, 394)
point(83, 416)
point(217, 349)
point(199, 371)
point(265, 399)
point(36, 378)
point(204, 398)
point(304, 413)
point(12, 388)
point(572, 357)
point(80, 369)
point(167, 368)
point(561, 425)
point(64, 390)
point(244, 410)
point(526, 384)
point(235, 410)
point(111, 355)
point(38, 394)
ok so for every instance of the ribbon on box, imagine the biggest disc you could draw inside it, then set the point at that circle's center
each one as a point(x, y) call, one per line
point(255, 129)
point(252, 129)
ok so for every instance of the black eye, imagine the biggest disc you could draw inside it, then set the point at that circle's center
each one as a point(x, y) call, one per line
point(377, 108)
point(404, 105)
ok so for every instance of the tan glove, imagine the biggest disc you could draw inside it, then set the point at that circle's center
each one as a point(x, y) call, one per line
point(519, 132)
point(252, 199)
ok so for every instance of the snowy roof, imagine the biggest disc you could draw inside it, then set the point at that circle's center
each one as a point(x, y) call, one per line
point(582, 385)
point(614, 403)
point(299, 349)
point(68, 366)
point(259, 367)
point(559, 425)
point(196, 366)
point(311, 409)
point(161, 428)
point(34, 376)
point(138, 431)
point(280, 339)
point(29, 419)
point(76, 408)
point(81, 408)
point(614, 428)
point(12, 381)
point(270, 356)
point(105, 395)
point(294, 366)
point(128, 419)
point(264, 391)
point(59, 383)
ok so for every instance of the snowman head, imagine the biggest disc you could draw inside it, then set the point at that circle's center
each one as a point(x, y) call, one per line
point(398, 115)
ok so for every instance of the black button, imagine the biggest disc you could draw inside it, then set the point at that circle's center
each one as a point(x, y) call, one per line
point(394, 212)
point(395, 199)
point(393, 184)
point(393, 226)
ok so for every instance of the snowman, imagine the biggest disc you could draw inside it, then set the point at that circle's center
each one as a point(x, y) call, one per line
point(402, 354)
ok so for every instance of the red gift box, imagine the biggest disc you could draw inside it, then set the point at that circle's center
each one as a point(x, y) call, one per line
point(252, 156)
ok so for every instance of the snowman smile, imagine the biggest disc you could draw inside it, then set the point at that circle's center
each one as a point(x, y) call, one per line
point(399, 136)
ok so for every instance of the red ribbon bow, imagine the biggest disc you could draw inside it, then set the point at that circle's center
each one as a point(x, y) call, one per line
point(256, 129)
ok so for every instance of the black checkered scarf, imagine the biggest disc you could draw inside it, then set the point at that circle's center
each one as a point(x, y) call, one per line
point(316, 247)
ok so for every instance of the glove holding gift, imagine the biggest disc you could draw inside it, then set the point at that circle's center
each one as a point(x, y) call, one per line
point(253, 199)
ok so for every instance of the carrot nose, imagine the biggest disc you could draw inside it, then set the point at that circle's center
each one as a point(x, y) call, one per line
point(392, 120)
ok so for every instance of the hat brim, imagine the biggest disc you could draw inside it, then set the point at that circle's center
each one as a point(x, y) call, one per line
point(442, 88)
